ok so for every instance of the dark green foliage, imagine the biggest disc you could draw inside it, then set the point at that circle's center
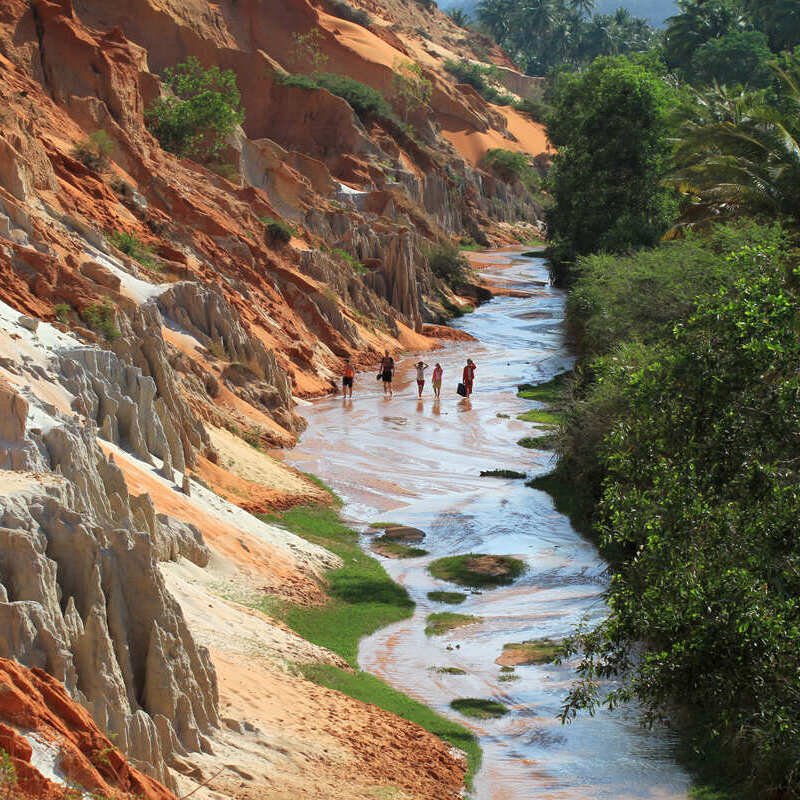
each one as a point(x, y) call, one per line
point(696, 472)
point(741, 57)
point(201, 109)
point(546, 34)
point(133, 246)
point(610, 125)
point(368, 103)
point(511, 166)
point(101, 318)
point(738, 151)
point(448, 263)
point(478, 708)
point(278, 230)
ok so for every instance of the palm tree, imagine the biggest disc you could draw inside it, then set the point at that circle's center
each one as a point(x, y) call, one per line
point(698, 22)
point(779, 19)
point(740, 152)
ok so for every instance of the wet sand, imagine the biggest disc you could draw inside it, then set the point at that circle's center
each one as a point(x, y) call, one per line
point(417, 462)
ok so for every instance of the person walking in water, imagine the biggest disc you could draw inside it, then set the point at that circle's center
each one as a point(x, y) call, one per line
point(421, 367)
point(348, 373)
point(468, 376)
point(387, 373)
point(436, 379)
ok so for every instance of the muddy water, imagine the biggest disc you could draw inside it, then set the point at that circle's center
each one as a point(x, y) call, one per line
point(418, 462)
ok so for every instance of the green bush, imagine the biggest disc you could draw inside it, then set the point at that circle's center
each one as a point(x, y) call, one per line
point(511, 166)
point(201, 109)
point(62, 311)
point(368, 103)
point(94, 151)
point(278, 230)
point(350, 260)
point(101, 318)
point(133, 246)
point(448, 263)
point(481, 77)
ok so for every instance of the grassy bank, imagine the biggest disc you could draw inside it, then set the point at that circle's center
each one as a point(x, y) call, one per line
point(363, 599)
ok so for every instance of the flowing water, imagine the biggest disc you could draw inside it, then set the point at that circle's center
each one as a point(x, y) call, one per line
point(417, 462)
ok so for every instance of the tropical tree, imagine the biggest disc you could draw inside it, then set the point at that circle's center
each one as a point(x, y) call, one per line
point(779, 19)
point(610, 127)
point(740, 151)
point(698, 22)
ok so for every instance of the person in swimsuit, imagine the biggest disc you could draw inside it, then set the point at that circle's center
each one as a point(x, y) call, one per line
point(348, 373)
point(387, 373)
point(468, 376)
point(421, 367)
point(436, 379)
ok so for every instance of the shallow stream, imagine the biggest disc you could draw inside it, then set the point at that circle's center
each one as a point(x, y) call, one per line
point(417, 462)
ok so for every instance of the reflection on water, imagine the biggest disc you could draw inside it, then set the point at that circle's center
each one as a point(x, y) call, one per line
point(418, 462)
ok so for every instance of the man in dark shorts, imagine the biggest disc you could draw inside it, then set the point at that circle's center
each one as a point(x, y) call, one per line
point(348, 373)
point(387, 373)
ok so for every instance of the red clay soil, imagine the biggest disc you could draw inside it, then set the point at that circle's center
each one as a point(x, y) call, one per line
point(33, 702)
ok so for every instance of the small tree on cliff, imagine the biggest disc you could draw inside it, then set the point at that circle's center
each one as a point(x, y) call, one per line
point(201, 109)
point(610, 125)
point(412, 89)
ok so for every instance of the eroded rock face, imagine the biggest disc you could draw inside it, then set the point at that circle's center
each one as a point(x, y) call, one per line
point(82, 598)
point(36, 713)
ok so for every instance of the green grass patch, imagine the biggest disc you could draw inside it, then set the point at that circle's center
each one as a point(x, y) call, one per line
point(538, 651)
point(541, 416)
point(369, 689)
point(441, 622)
point(322, 485)
point(478, 708)
point(449, 670)
point(507, 678)
point(477, 570)
point(390, 549)
point(550, 392)
point(501, 473)
point(363, 599)
point(454, 598)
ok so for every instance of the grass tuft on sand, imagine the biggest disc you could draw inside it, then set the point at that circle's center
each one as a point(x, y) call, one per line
point(363, 598)
point(479, 709)
point(453, 598)
point(477, 570)
point(443, 621)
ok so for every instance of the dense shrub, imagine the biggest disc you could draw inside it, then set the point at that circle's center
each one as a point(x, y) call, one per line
point(201, 109)
point(448, 263)
point(741, 57)
point(685, 431)
point(278, 230)
point(510, 166)
point(610, 125)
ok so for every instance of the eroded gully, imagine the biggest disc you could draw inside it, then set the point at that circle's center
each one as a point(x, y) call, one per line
point(418, 463)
